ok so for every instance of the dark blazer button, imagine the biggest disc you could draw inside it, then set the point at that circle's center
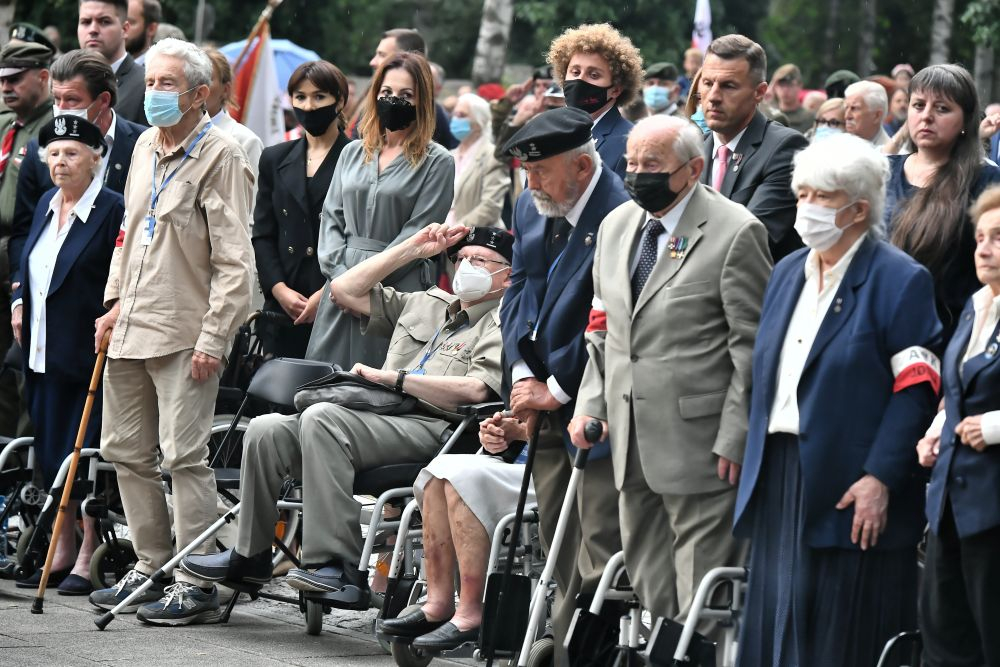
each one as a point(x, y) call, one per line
point(291, 250)
point(960, 481)
point(634, 358)
point(309, 252)
point(624, 397)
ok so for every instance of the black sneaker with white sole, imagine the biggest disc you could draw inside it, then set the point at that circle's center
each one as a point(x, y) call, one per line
point(109, 598)
point(182, 604)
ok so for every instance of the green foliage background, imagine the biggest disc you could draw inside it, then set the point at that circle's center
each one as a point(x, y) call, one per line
point(346, 31)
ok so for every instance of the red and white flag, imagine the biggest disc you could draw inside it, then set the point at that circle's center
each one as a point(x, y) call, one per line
point(701, 34)
point(255, 90)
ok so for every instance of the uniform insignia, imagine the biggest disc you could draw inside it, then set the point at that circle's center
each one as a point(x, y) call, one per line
point(677, 245)
point(60, 127)
point(588, 240)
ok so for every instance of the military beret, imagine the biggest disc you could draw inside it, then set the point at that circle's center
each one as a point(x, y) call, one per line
point(844, 77)
point(28, 32)
point(19, 56)
point(787, 73)
point(499, 240)
point(75, 129)
point(544, 72)
point(550, 133)
point(665, 71)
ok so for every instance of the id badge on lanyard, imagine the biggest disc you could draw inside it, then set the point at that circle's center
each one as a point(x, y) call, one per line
point(149, 222)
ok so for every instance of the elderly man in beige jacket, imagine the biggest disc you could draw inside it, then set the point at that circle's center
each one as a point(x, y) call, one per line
point(179, 287)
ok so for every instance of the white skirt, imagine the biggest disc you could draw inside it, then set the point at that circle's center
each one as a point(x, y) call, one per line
point(487, 484)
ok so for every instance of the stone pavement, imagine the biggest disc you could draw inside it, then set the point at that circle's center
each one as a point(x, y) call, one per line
point(262, 632)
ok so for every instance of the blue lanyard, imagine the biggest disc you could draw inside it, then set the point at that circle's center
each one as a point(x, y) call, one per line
point(548, 277)
point(431, 348)
point(154, 195)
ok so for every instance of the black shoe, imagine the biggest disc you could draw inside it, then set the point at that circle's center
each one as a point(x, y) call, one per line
point(7, 568)
point(327, 579)
point(74, 584)
point(35, 579)
point(445, 638)
point(230, 566)
point(412, 625)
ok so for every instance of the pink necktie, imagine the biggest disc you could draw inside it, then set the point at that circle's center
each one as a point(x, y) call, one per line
point(722, 160)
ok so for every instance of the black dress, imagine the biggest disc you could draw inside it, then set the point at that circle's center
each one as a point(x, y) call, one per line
point(286, 233)
point(955, 279)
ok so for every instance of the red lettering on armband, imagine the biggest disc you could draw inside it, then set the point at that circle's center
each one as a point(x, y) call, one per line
point(915, 374)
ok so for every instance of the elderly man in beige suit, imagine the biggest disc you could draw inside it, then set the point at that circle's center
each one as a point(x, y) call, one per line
point(679, 276)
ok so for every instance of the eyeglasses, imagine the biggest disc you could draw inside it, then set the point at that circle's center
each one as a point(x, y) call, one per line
point(480, 262)
point(829, 122)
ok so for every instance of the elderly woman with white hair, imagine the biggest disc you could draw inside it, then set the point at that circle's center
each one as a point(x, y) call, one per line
point(481, 181)
point(845, 379)
point(65, 267)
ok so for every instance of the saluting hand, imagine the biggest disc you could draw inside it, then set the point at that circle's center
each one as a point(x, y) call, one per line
point(870, 498)
point(203, 366)
point(435, 238)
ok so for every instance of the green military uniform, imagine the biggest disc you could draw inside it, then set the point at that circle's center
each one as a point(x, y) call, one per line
point(327, 443)
point(8, 182)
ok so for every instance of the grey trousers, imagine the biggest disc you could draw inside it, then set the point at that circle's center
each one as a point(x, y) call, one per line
point(592, 535)
point(324, 446)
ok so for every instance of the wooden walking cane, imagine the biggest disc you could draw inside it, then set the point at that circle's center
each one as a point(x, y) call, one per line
point(95, 380)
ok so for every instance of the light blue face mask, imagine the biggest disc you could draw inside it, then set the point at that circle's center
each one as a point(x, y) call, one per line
point(698, 117)
point(825, 132)
point(460, 128)
point(163, 108)
point(656, 98)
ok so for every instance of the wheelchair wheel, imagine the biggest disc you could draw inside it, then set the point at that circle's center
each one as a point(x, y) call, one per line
point(541, 652)
point(405, 655)
point(111, 561)
point(314, 617)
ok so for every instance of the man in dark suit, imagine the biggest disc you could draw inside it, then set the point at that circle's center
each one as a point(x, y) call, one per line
point(82, 85)
point(599, 70)
point(748, 158)
point(102, 26)
point(543, 317)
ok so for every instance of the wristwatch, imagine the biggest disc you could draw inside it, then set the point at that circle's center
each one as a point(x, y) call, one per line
point(401, 375)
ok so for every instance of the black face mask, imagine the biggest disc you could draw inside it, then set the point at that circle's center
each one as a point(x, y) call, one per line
point(651, 190)
point(316, 121)
point(395, 113)
point(584, 95)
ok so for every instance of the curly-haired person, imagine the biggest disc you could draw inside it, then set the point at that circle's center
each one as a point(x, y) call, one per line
point(600, 70)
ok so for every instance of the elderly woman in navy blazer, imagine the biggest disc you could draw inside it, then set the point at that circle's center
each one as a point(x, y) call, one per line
point(845, 374)
point(960, 602)
point(64, 268)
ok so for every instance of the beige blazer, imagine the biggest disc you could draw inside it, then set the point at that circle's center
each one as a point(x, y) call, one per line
point(480, 189)
point(679, 358)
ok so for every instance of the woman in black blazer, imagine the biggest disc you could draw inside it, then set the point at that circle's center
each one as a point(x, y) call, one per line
point(64, 269)
point(293, 182)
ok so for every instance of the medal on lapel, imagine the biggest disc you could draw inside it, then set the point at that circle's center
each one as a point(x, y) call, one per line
point(677, 246)
point(588, 240)
point(737, 158)
point(991, 351)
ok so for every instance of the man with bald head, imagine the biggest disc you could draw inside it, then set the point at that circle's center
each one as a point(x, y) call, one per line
point(669, 367)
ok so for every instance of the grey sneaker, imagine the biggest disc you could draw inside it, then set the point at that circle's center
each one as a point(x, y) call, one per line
point(182, 604)
point(109, 598)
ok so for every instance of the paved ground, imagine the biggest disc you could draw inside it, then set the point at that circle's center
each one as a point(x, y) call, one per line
point(259, 633)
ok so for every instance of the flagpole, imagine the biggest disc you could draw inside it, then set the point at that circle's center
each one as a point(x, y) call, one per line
point(265, 16)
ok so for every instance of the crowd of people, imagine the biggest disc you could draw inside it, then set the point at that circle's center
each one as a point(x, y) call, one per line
point(781, 304)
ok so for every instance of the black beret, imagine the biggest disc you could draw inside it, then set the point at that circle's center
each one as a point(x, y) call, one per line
point(18, 56)
point(28, 32)
point(550, 133)
point(665, 71)
point(544, 72)
point(74, 128)
point(499, 240)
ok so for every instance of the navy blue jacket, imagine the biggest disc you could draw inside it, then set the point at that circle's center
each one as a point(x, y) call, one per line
point(852, 421)
point(610, 135)
point(557, 305)
point(76, 291)
point(970, 479)
point(34, 181)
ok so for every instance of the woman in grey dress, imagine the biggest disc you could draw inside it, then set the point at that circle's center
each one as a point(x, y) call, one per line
point(386, 187)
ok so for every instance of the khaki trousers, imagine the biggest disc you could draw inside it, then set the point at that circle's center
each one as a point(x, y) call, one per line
point(324, 447)
point(672, 541)
point(592, 535)
point(155, 404)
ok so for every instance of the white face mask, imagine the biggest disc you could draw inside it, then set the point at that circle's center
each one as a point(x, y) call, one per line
point(472, 283)
point(817, 225)
point(79, 113)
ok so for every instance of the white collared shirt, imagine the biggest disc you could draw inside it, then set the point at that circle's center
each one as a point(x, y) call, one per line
point(118, 63)
point(669, 222)
point(520, 370)
point(987, 307)
point(42, 262)
point(109, 138)
point(807, 317)
point(731, 145)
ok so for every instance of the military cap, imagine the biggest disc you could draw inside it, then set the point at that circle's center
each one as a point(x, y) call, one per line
point(788, 73)
point(665, 71)
point(837, 82)
point(544, 72)
point(555, 90)
point(499, 240)
point(28, 32)
point(19, 56)
point(73, 128)
point(550, 133)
